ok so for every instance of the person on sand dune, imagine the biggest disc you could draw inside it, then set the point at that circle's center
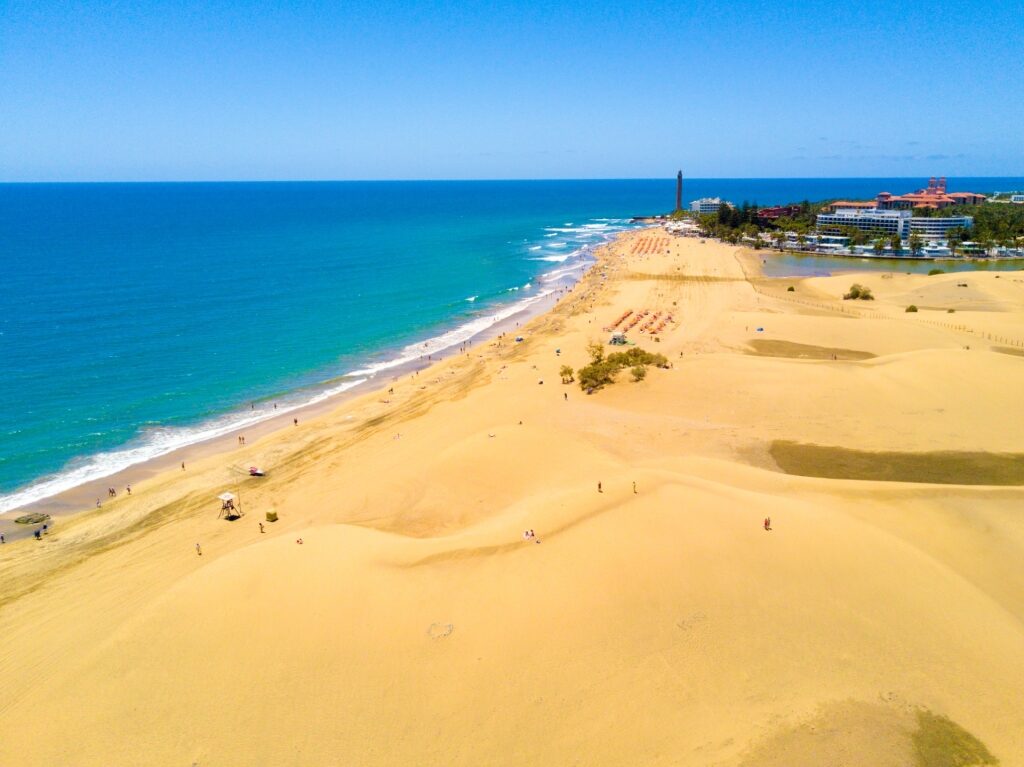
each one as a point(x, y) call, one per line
point(767, 523)
point(199, 551)
point(599, 488)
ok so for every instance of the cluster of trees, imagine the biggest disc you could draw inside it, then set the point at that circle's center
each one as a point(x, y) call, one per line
point(602, 370)
point(732, 224)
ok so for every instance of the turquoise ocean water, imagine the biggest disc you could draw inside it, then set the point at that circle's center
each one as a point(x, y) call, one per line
point(138, 318)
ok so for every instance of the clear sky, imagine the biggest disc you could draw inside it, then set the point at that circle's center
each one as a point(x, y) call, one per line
point(354, 89)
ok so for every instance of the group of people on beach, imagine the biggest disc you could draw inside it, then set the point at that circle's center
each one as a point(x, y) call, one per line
point(529, 535)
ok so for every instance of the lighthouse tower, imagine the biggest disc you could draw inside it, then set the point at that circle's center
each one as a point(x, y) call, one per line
point(679, 190)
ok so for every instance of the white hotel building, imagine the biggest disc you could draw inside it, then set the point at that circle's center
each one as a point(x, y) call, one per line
point(868, 219)
point(891, 222)
point(706, 205)
point(936, 228)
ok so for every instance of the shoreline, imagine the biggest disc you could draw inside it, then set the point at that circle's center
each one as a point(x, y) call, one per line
point(81, 497)
point(787, 485)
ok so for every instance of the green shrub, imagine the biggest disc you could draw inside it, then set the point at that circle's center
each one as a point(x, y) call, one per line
point(597, 374)
point(853, 294)
point(790, 289)
point(858, 291)
point(950, 311)
point(602, 372)
point(936, 271)
point(639, 373)
point(566, 373)
point(911, 308)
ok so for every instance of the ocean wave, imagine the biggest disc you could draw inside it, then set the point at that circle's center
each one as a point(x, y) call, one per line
point(556, 259)
point(154, 443)
point(454, 337)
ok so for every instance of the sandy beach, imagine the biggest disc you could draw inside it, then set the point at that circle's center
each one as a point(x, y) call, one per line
point(395, 613)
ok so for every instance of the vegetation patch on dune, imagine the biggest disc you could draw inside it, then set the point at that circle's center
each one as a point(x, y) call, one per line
point(945, 467)
point(602, 370)
point(792, 350)
point(858, 292)
point(1008, 350)
point(879, 735)
point(941, 742)
point(32, 519)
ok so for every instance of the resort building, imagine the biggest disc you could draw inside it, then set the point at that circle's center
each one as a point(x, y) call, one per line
point(934, 196)
point(707, 205)
point(936, 228)
point(889, 222)
point(832, 207)
point(777, 212)
point(1017, 198)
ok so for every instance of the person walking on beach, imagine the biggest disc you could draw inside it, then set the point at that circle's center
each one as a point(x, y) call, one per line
point(295, 421)
point(767, 523)
point(599, 488)
point(183, 466)
point(199, 551)
point(566, 395)
point(634, 488)
point(129, 489)
point(2, 539)
point(261, 527)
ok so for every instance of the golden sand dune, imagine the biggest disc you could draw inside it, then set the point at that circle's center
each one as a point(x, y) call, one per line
point(878, 622)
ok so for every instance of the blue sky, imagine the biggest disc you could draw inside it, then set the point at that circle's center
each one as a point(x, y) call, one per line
point(386, 90)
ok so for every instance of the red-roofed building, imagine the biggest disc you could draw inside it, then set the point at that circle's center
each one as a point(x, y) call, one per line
point(934, 196)
point(832, 207)
point(779, 211)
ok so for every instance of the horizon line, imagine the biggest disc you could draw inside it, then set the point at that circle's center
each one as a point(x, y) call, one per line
point(474, 180)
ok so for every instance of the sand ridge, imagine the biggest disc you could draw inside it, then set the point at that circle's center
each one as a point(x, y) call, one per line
point(414, 624)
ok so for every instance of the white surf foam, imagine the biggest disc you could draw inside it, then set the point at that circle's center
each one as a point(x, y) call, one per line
point(454, 337)
point(154, 443)
point(555, 259)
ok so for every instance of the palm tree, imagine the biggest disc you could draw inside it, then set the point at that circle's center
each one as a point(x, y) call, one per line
point(879, 246)
point(916, 244)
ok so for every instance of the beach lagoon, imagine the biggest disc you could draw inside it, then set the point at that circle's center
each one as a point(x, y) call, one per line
point(775, 264)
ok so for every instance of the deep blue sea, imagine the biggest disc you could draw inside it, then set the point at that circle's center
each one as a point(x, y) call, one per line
point(137, 318)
